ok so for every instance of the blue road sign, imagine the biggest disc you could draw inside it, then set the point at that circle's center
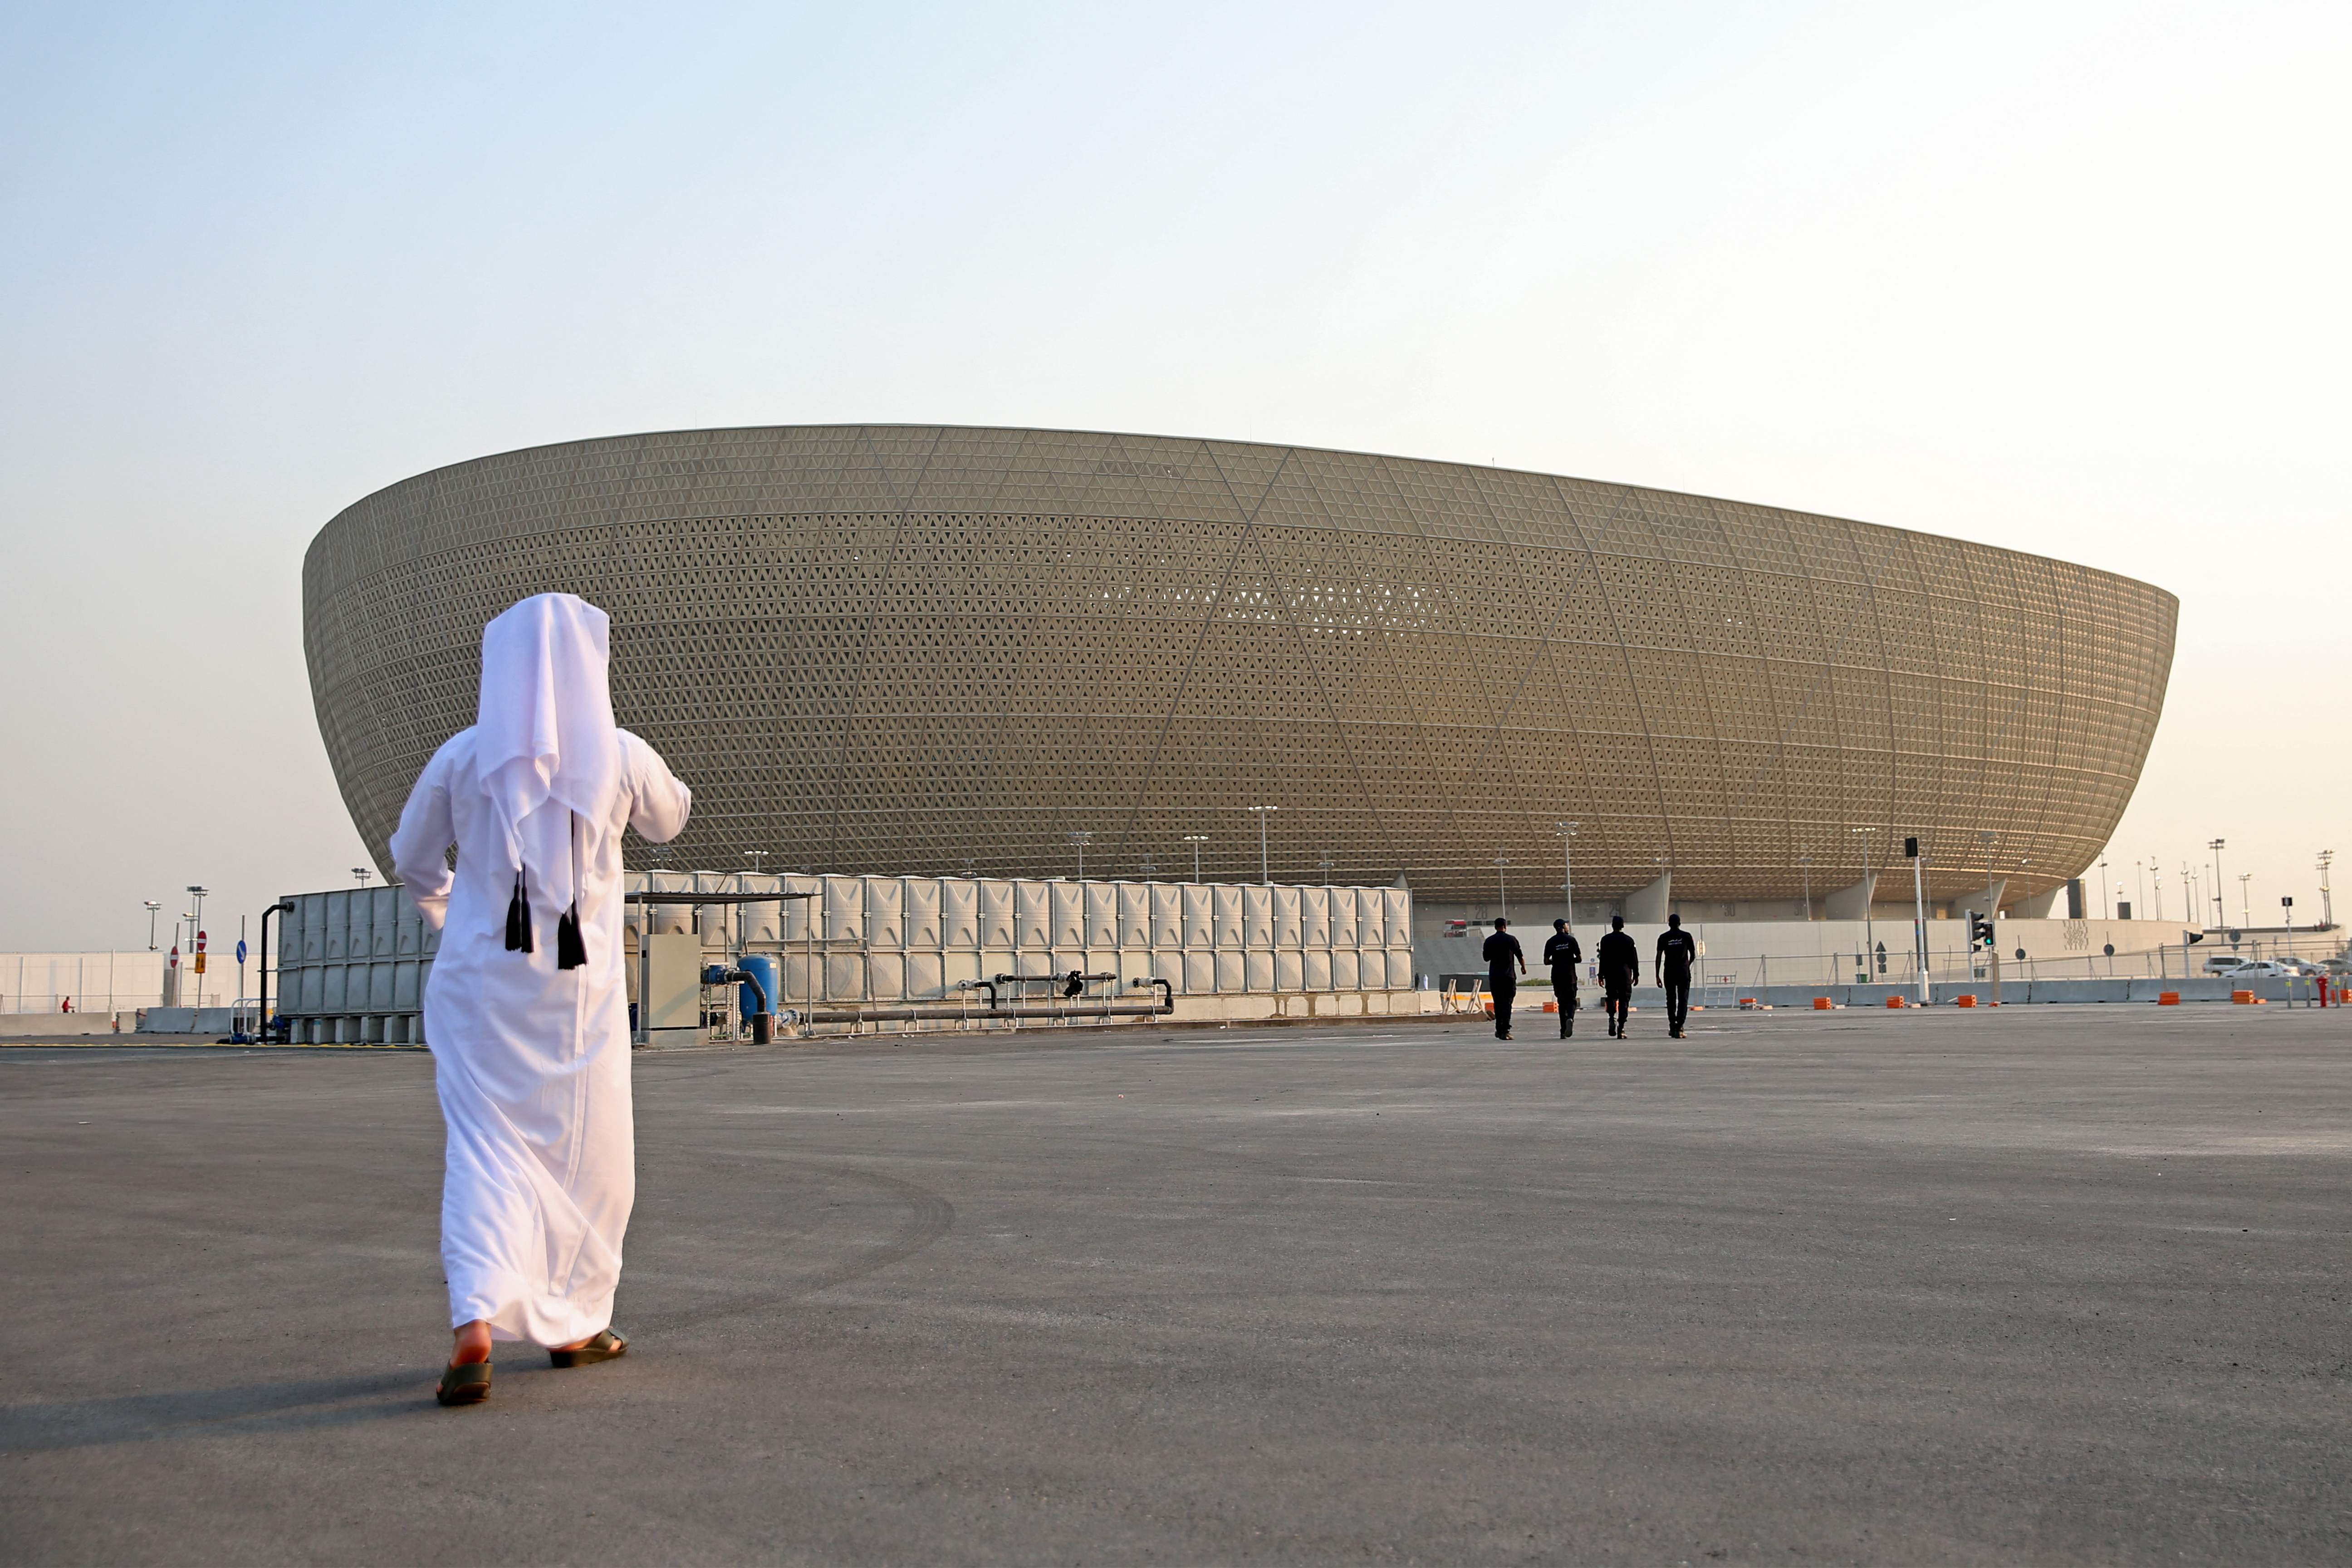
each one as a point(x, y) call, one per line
point(240, 950)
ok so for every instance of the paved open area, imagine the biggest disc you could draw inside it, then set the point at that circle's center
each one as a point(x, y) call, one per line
point(2047, 1285)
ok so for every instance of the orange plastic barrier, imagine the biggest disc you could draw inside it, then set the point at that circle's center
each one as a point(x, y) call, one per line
point(2168, 999)
point(1821, 1004)
point(2243, 998)
point(1895, 1001)
point(1963, 1001)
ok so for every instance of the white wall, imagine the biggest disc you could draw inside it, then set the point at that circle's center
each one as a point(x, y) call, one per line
point(97, 981)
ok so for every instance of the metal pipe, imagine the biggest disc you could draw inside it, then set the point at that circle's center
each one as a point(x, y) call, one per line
point(285, 907)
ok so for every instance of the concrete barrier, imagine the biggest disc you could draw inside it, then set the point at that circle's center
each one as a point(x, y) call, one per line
point(186, 1021)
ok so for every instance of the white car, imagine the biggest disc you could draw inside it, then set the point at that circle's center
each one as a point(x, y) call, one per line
point(2225, 963)
point(2261, 968)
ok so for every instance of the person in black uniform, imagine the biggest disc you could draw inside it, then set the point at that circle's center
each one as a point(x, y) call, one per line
point(1620, 968)
point(1502, 953)
point(1675, 953)
point(1562, 953)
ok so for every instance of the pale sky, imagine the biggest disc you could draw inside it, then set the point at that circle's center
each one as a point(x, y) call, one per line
point(2065, 278)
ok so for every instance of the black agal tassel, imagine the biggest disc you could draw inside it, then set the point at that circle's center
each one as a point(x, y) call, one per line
point(519, 937)
point(571, 952)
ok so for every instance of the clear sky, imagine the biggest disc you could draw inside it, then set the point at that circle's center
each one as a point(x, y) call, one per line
point(2066, 278)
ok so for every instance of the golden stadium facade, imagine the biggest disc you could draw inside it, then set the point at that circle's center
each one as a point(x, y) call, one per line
point(931, 649)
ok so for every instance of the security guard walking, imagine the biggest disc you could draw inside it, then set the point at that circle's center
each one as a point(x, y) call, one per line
point(1562, 953)
point(1621, 969)
point(1676, 952)
point(1501, 952)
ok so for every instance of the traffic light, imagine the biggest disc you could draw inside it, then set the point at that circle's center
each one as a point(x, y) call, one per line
point(1980, 932)
point(1911, 849)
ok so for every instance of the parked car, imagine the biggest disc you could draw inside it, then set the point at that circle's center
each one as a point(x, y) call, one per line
point(2262, 968)
point(2225, 963)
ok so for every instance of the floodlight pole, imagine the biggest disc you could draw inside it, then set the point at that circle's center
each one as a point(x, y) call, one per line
point(1264, 875)
point(1082, 840)
point(2220, 888)
point(2326, 903)
point(153, 908)
point(1196, 840)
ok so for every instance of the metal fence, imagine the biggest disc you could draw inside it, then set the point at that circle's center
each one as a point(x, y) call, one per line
point(356, 960)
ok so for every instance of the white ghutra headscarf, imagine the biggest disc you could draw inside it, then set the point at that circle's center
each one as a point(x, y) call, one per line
point(545, 746)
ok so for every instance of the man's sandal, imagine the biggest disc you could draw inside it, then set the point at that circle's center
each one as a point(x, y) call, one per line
point(466, 1384)
point(605, 1346)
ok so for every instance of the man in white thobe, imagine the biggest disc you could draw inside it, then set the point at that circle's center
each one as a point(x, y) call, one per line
point(527, 1008)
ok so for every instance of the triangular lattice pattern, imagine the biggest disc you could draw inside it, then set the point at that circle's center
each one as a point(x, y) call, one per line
point(917, 649)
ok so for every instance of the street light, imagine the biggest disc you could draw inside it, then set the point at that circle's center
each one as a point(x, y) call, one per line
point(1082, 840)
point(1196, 840)
point(360, 874)
point(1502, 893)
point(152, 908)
point(1264, 874)
point(2221, 904)
point(2245, 899)
point(2327, 904)
point(1567, 831)
point(756, 857)
point(2107, 901)
point(1805, 869)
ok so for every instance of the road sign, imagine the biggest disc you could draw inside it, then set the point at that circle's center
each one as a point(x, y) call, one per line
point(175, 963)
point(200, 960)
point(240, 950)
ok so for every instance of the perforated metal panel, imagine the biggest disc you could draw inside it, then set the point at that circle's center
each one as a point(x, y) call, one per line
point(904, 650)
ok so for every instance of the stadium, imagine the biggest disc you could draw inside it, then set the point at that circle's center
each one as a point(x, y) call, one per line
point(936, 650)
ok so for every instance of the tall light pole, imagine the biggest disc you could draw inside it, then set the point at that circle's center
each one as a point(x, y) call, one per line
point(2107, 901)
point(1502, 892)
point(1264, 875)
point(199, 929)
point(2139, 872)
point(1196, 840)
point(1805, 869)
point(756, 857)
point(2245, 899)
point(2156, 872)
point(1082, 840)
point(1918, 853)
point(153, 908)
point(2326, 905)
point(360, 874)
point(1567, 831)
point(2221, 904)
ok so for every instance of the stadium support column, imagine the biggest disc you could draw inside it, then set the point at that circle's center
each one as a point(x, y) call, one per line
point(1649, 907)
point(1852, 903)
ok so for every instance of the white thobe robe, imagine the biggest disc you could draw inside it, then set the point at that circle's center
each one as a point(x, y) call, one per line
point(531, 1062)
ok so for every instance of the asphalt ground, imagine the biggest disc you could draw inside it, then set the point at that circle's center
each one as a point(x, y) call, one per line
point(2046, 1285)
